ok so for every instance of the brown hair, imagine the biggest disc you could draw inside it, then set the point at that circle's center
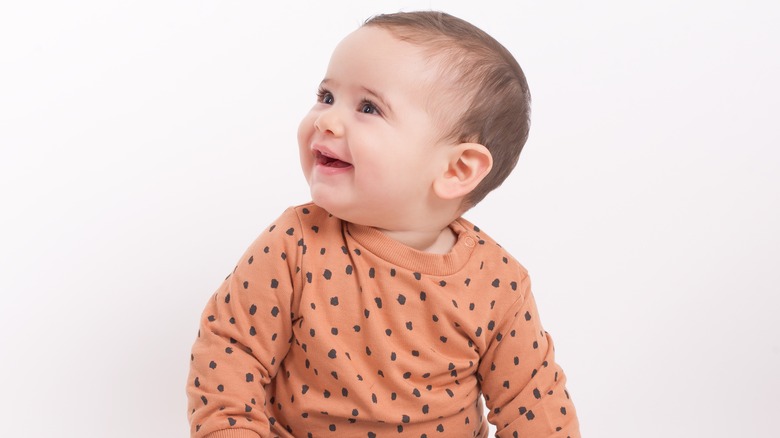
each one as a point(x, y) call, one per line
point(496, 103)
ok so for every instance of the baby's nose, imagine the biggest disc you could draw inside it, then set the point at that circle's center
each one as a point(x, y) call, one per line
point(329, 121)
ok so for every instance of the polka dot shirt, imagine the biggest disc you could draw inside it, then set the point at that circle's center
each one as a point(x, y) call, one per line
point(330, 329)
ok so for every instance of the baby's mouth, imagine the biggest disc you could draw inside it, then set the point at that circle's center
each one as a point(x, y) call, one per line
point(327, 161)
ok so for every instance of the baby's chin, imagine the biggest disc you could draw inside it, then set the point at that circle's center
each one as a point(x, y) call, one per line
point(343, 209)
point(330, 203)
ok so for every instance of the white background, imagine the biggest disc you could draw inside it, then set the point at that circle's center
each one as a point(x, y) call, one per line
point(144, 145)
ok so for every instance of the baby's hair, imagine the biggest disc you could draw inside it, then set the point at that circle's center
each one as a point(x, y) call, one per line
point(492, 100)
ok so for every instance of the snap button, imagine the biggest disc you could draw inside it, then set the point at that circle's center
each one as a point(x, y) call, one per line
point(469, 241)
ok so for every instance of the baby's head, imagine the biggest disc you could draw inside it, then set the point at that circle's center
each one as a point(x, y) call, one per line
point(418, 111)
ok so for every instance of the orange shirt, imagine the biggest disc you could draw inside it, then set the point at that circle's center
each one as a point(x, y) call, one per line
point(327, 328)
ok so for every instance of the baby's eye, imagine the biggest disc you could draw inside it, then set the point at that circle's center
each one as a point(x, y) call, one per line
point(368, 107)
point(324, 97)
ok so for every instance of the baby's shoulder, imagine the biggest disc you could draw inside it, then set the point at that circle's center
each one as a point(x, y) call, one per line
point(313, 219)
point(490, 255)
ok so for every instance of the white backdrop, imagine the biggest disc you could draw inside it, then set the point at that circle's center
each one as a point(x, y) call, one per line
point(144, 145)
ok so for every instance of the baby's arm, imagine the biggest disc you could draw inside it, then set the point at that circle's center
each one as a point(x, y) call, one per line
point(524, 388)
point(244, 335)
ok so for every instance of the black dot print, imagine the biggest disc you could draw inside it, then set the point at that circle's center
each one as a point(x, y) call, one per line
point(450, 319)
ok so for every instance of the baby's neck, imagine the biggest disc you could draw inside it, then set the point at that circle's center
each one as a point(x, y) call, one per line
point(432, 241)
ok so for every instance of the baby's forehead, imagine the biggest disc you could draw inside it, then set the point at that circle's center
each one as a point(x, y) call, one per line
point(433, 69)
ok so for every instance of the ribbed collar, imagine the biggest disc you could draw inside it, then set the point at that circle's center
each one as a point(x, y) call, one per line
point(414, 260)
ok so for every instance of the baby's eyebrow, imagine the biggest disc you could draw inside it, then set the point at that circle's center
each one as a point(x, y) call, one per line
point(373, 93)
point(379, 97)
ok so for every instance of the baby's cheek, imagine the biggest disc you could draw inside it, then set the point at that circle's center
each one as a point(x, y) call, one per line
point(304, 149)
point(306, 130)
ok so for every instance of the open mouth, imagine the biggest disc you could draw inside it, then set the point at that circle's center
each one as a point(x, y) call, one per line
point(328, 161)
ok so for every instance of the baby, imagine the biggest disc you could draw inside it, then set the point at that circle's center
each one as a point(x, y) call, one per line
point(376, 310)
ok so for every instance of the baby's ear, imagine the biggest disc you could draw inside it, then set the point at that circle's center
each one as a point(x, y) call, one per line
point(467, 166)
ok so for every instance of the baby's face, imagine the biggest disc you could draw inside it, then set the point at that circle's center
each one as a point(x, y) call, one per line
point(369, 147)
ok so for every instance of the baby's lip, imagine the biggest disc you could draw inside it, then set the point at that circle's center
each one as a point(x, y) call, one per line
point(322, 153)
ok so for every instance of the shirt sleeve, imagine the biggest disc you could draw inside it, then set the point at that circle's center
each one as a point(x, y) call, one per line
point(523, 386)
point(245, 332)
